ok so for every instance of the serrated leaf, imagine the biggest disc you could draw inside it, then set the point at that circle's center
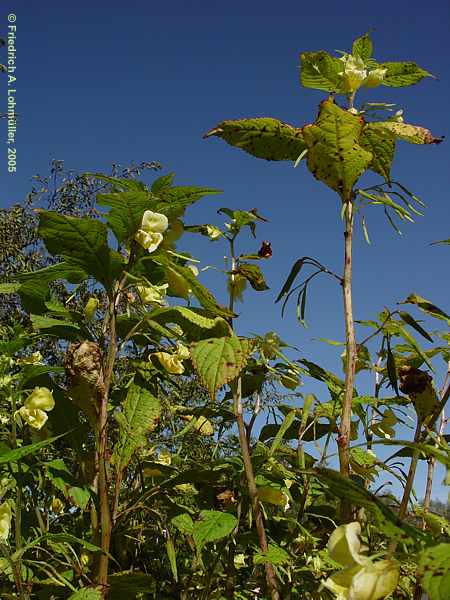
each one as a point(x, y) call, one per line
point(335, 156)
point(274, 555)
point(381, 144)
point(120, 183)
point(253, 275)
point(141, 411)
point(262, 137)
point(321, 71)
point(363, 47)
point(173, 201)
point(434, 571)
point(401, 74)
point(212, 526)
point(9, 288)
point(220, 360)
point(82, 241)
point(162, 182)
point(195, 322)
point(126, 211)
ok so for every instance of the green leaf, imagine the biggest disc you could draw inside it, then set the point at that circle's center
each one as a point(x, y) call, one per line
point(274, 555)
point(183, 523)
point(387, 520)
point(9, 288)
point(11, 456)
point(30, 372)
point(120, 183)
point(220, 360)
point(409, 320)
point(87, 593)
point(413, 343)
point(381, 144)
point(335, 156)
point(401, 74)
point(202, 294)
point(82, 241)
point(288, 420)
point(363, 47)
point(195, 322)
point(56, 327)
point(434, 571)
point(132, 585)
point(141, 411)
point(173, 201)
point(170, 548)
point(127, 209)
point(413, 134)
point(262, 137)
point(443, 242)
point(162, 182)
point(212, 526)
point(427, 307)
point(254, 276)
point(391, 368)
point(321, 71)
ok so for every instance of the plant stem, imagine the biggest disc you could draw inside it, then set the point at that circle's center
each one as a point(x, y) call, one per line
point(271, 578)
point(351, 351)
point(411, 474)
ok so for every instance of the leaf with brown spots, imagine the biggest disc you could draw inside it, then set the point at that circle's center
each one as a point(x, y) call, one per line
point(335, 155)
point(262, 137)
point(220, 360)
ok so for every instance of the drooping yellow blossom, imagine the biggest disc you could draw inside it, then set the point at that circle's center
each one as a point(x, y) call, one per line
point(57, 505)
point(35, 408)
point(362, 578)
point(150, 233)
point(171, 362)
point(154, 294)
point(5, 521)
point(213, 232)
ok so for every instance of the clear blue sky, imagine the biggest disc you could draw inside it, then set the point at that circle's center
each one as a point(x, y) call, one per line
point(108, 81)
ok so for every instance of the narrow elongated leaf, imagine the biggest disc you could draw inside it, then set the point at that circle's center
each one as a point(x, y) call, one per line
point(212, 526)
point(140, 416)
point(170, 548)
point(56, 327)
point(391, 368)
point(427, 307)
point(262, 137)
point(288, 420)
point(82, 241)
point(11, 456)
point(321, 71)
point(409, 320)
point(9, 288)
point(335, 156)
point(220, 360)
point(401, 74)
point(413, 343)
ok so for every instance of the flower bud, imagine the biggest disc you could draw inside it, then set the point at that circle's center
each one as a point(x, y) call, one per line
point(5, 521)
point(90, 308)
point(40, 398)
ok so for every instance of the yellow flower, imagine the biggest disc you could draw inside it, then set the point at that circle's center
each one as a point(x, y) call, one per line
point(35, 417)
point(375, 78)
point(182, 351)
point(171, 362)
point(57, 506)
point(40, 398)
point(149, 241)
point(149, 235)
point(154, 294)
point(354, 73)
point(361, 579)
point(213, 232)
point(5, 521)
point(344, 545)
point(90, 308)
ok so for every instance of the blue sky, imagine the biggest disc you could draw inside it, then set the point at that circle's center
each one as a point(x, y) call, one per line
point(108, 81)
